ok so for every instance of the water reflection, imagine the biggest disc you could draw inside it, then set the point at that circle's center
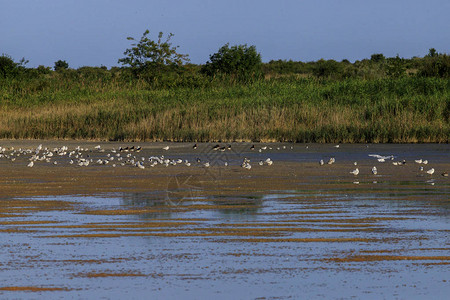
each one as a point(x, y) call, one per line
point(166, 207)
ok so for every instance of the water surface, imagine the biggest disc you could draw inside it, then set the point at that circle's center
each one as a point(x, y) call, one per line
point(293, 229)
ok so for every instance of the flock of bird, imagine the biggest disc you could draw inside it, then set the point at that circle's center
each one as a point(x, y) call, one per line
point(124, 156)
point(383, 159)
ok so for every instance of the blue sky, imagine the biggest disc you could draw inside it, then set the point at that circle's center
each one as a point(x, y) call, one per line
point(93, 32)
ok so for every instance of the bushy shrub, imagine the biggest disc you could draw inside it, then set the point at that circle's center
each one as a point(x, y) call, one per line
point(61, 65)
point(240, 61)
point(9, 68)
point(435, 66)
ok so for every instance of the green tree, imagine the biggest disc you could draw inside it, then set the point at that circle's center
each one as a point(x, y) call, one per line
point(9, 68)
point(377, 58)
point(147, 53)
point(61, 65)
point(432, 53)
point(240, 61)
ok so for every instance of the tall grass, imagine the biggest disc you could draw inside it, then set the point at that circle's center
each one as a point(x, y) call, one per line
point(407, 109)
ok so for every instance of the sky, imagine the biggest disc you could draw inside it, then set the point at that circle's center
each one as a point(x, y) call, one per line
point(94, 32)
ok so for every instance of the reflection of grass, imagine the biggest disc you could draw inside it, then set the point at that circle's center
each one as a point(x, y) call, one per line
point(365, 258)
point(303, 110)
point(32, 289)
point(109, 274)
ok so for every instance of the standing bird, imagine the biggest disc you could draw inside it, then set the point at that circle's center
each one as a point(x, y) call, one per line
point(195, 146)
point(355, 172)
point(374, 170)
point(430, 171)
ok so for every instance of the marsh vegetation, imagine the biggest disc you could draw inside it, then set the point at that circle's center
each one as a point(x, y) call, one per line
point(233, 97)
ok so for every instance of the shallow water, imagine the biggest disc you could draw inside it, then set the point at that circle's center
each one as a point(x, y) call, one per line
point(291, 230)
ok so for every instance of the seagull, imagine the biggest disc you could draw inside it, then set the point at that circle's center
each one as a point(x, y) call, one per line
point(355, 172)
point(430, 171)
point(445, 174)
point(194, 147)
point(31, 164)
point(166, 148)
point(337, 146)
point(419, 161)
point(382, 158)
point(321, 162)
point(425, 162)
point(374, 170)
point(332, 160)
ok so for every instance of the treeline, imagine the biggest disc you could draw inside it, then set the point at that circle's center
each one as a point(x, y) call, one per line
point(157, 64)
point(378, 66)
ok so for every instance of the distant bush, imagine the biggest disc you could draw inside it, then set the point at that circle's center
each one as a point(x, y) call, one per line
point(435, 65)
point(61, 65)
point(285, 67)
point(326, 68)
point(240, 61)
point(9, 68)
point(395, 67)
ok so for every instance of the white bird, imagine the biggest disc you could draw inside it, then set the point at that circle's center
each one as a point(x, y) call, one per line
point(321, 162)
point(419, 161)
point(425, 162)
point(337, 146)
point(355, 163)
point(374, 170)
point(31, 164)
point(430, 171)
point(355, 172)
point(207, 164)
point(166, 148)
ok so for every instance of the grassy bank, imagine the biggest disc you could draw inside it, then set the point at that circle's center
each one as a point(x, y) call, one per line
point(55, 106)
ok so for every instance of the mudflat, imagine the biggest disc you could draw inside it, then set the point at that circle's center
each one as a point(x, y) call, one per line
point(165, 219)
